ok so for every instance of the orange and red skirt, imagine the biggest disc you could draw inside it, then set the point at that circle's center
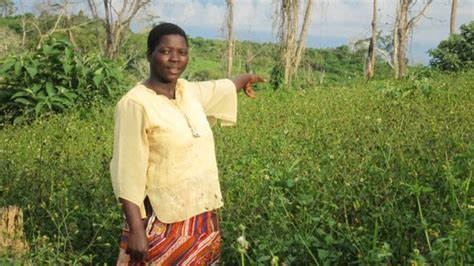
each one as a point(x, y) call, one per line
point(194, 241)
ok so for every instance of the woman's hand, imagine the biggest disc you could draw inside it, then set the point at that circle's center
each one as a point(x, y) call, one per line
point(137, 246)
point(137, 241)
point(245, 81)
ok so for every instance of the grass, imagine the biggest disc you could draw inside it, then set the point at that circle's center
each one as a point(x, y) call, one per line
point(371, 173)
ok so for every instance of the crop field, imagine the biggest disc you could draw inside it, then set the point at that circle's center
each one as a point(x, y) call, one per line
point(372, 173)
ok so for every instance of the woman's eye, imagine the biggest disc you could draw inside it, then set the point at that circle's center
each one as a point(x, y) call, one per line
point(165, 51)
point(183, 53)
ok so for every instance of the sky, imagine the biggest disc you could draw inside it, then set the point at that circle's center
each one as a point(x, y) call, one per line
point(333, 23)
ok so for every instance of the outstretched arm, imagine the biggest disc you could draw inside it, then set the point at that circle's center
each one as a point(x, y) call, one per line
point(245, 81)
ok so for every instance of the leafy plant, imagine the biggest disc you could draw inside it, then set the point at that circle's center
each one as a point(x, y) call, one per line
point(457, 52)
point(52, 79)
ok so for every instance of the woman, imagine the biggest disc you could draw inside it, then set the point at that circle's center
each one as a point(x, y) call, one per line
point(163, 169)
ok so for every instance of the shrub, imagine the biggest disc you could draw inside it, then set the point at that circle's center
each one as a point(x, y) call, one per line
point(457, 52)
point(52, 79)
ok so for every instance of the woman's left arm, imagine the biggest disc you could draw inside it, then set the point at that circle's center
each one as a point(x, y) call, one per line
point(245, 81)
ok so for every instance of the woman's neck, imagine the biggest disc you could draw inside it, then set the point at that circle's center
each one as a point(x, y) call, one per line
point(160, 87)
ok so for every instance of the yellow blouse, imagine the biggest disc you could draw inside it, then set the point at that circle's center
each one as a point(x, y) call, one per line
point(164, 149)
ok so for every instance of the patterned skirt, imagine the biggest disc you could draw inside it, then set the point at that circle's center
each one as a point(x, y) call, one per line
point(194, 241)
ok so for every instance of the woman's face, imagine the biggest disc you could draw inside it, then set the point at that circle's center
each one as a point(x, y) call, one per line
point(169, 59)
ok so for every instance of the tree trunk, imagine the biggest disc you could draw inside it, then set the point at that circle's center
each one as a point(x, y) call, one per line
point(402, 28)
point(301, 41)
point(452, 22)
point(370, 66)
point(395, 40)
point(402, 35)
point(290, 10)
point(11, 230)
point(291, 48)
point(230, 36)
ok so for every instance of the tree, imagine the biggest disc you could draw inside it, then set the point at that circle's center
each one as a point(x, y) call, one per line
point(452, 21)
point(402, 28)
point(455, 53)
point(370, 65)
point(54, 18)
point(291, 49)
point(8, 8)
point(116, 21)
point(230, 35)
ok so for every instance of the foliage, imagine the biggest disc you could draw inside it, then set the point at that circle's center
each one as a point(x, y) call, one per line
point(377, 173)
point(52, 79)
point(62, 186)
point(457, 52)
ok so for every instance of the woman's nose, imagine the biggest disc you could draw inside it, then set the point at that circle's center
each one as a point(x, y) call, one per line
point(174, 57)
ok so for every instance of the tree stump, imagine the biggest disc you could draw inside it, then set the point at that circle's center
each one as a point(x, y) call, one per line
point(11, 230)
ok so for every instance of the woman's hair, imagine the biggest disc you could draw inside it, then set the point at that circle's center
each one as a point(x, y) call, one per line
point(154, 37)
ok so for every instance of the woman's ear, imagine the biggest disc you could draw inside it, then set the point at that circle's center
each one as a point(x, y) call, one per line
point(148, 55)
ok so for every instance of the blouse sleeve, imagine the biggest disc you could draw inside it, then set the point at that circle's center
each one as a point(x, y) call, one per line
point(130, 153)
point(219, 101)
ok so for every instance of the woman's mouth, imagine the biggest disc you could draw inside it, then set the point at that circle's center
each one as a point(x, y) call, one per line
point(174, 70)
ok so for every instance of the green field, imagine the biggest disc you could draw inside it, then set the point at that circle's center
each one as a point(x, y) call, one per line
point(368, 173)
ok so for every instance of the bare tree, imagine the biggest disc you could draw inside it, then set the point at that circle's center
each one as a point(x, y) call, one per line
point(230, 36)
point(250, 57)
point(7, 7)
point(452, 22)
point(301, 41)
point(61, 12)
point(291, 49)
point(116, 22)
point(402, 28)
point(370, 65)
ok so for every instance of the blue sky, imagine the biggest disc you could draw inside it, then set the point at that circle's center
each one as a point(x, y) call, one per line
point(334, 22)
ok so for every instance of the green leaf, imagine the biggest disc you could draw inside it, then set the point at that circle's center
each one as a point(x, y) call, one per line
point(98, 79)
point(35, 88)
point(32, 71)
point(7, 65)
point(19, 119)
point(50, 89)
point(290, 183)
point(29, 110)
point(426, 189)
point(323, 254)
point(18, 68)
point(62, 101)
point(264, 258)
point(47, 49)
point(59, 105)
point(19, 94)
point(22, 100)
point(39, 108)
point(70, 95)
point(98, 71)
point(67, 68)
point(68, 53)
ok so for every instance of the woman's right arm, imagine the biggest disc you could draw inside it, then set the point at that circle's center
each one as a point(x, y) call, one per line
point(128, 171)
point(137, 240)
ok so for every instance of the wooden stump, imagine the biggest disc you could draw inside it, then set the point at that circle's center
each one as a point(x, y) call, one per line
point(11, 230)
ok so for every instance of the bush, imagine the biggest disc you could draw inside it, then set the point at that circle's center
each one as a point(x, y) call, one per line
point(457, 52)
point(53, 78)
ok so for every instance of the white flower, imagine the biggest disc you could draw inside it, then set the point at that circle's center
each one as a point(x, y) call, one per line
point(243, 242)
